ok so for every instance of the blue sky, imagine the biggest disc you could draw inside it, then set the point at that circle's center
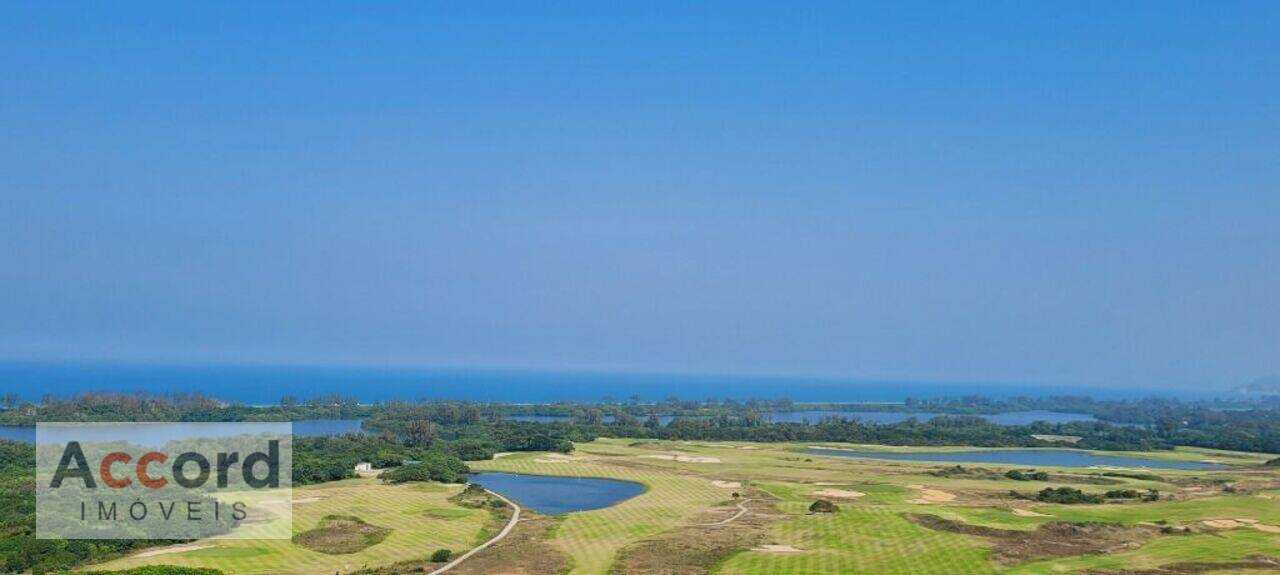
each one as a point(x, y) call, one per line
point(1034, 192)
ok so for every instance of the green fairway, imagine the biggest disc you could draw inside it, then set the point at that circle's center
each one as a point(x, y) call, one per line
point(1232, 514)
point(419, 518)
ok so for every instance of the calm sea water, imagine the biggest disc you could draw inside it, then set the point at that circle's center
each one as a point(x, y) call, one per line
point(1027, 457)
point(559, 495)
point(266, 385)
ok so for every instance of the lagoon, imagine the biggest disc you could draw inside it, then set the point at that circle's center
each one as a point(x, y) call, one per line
point(554, 495)
point(18, 433)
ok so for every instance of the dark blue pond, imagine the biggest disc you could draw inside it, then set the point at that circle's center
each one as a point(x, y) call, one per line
point(559, 495)
point(1028, 457)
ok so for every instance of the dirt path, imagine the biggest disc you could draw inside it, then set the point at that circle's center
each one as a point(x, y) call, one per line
point(515, 517)
point(742, 510)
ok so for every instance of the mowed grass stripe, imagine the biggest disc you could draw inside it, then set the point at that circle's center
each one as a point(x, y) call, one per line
point(401, 508)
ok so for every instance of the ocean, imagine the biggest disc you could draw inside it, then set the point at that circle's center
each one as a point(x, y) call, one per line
point(262, 385)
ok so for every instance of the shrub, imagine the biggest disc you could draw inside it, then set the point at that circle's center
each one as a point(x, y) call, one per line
point(1028, 475)
point(823, 506)
point(1067, 495)
point(441, 556)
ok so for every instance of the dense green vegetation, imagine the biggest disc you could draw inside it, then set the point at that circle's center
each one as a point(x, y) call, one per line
point(473, 431)
point(320, 459)
point(436, 467)
point(179, 407)
point(20, 551)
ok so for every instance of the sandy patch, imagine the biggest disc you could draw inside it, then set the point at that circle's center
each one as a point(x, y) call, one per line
point(748, 447)
point(718, 445)
point(839, 493)
point(776, 549)
point(171, 550)
point(1222, 523)
point(727, 484)
point(545, 460)
point(684, 458)
point(1240, 522)
point(1027, 513)
point(501, 454)
point(928, 496)
point(1062, 438)
point(306, 500)
point(915, 486)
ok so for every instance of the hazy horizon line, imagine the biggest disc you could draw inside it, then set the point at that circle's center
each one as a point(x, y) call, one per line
point(583, 372)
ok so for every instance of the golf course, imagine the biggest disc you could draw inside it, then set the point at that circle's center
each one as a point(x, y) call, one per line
point(749, 508)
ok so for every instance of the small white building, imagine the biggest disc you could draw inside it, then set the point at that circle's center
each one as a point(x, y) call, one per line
point(364, 466)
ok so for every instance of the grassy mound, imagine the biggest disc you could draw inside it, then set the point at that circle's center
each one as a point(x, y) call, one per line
point(341, 534)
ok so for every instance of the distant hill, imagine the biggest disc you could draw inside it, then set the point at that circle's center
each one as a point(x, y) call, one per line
point(1262, 386)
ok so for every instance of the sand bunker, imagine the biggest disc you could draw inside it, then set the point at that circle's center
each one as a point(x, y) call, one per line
point(776, 549)
point(306, 500)
point(501, 454)
point(839, 493)
point(170, 550)
point(727, 484)
point(1240, 522)
point(1028, 513)
point(928, 496)
point(1222, 523)
point(684, 458)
